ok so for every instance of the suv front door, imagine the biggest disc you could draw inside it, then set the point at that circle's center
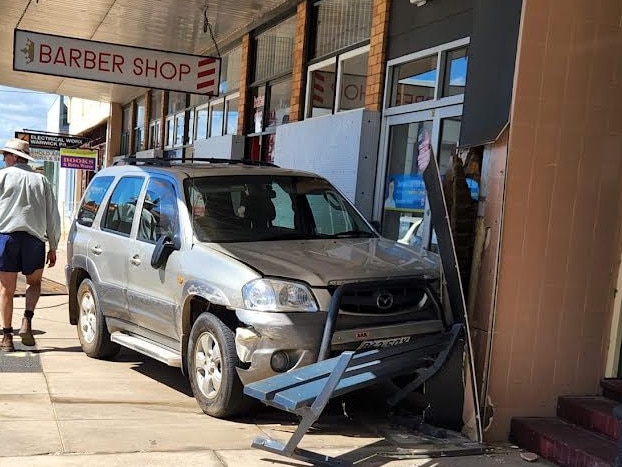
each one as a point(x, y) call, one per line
point(151, 292)
point(107, 247)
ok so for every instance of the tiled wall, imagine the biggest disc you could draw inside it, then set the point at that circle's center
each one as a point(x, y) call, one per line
point(560, 244)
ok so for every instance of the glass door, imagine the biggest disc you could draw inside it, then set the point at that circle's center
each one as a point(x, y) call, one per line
point(403, 204)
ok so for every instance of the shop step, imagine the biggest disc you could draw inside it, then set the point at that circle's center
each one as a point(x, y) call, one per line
point(594, 413)
point(562, 443)
point(612, 389)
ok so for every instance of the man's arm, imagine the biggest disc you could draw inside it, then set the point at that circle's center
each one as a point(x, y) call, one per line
point(52, 217)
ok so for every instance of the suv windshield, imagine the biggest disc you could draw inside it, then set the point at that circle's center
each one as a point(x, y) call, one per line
point(270, 207)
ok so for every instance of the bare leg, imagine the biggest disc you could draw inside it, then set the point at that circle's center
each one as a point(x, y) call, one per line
point(33, 292)
point(8, 283)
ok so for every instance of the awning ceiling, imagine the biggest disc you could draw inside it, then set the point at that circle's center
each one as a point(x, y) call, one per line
point(173, 25)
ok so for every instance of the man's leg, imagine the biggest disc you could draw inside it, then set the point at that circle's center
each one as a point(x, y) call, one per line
point(33, 292)
point(8, 283)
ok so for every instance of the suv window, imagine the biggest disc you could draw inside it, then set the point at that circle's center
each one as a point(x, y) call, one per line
point(159, 215)
point(92, 199)
point(122, 205)
point(270, 207)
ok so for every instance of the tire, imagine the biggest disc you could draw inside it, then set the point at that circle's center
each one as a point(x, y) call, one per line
point(92, 331)
point(212, 361)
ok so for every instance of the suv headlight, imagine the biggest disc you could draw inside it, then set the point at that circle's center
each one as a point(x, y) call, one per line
point(276, 295)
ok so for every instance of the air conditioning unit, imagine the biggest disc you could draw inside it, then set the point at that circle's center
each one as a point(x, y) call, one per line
point(150, 154)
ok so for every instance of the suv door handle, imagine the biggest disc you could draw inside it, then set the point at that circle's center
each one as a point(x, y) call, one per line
point(96, 249)
point(135, 260)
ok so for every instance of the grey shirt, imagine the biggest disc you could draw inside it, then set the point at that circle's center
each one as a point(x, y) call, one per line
point(27, 204)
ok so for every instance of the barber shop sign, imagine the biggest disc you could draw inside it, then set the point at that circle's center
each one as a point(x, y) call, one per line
point(113, 63)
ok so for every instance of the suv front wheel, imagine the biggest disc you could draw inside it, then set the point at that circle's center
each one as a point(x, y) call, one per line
point(211, 366)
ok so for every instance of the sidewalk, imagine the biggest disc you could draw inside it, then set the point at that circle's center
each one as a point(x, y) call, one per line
point(78, 411)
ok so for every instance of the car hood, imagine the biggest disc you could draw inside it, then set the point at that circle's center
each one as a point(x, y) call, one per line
point(317, 262)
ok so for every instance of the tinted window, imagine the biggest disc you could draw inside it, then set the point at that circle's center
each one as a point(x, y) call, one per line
point(92, 199)
point(159, 212)
point(122, 205)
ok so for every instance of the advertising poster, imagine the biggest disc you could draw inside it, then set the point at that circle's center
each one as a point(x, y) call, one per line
point(82, 159)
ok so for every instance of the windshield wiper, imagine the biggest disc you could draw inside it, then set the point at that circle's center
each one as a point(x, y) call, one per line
point(353, 234)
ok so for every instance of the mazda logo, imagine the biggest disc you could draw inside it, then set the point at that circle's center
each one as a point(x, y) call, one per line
point(384, 300)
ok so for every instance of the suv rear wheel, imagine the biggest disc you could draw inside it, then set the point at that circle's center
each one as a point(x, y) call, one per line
point(92, 331)
point(211, 366)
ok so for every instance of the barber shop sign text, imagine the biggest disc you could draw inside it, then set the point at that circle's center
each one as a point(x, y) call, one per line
point(113, 63)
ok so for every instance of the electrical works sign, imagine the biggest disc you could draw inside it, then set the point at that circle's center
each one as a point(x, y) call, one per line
point(48, 54)
point(47, 146)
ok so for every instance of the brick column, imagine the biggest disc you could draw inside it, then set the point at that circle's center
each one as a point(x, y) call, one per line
point(297, 105)
point(377, 52)
point(132, 137)
point(113, 132)
point(244, 82)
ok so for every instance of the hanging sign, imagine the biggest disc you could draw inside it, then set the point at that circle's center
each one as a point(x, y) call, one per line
point(47, 146)
point(113, 63)
point(83, 159)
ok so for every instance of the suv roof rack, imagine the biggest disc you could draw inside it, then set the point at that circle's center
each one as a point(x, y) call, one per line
point(169, 162)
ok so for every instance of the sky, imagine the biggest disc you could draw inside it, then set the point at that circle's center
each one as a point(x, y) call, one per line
point(22, 109)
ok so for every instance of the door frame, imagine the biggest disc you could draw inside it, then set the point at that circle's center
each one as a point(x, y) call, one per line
point(436, 115)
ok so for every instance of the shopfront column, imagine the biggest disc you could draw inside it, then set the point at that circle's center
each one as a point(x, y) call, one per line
point(377, 50)
point(244, 81)
point(300, 60)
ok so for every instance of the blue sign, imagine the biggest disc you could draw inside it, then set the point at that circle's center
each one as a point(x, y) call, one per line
point(407, 192)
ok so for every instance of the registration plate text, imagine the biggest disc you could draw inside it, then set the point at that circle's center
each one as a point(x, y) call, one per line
point(384, 343)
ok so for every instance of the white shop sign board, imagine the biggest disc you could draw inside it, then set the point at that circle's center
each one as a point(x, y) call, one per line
point(48, 54)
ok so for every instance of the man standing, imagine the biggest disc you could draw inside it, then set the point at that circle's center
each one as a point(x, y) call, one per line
point(28, 216)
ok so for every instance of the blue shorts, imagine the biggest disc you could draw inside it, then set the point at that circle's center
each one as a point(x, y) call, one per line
point(21, 252)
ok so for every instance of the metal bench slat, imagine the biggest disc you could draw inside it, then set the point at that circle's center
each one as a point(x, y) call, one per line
point(265, 389)
point(356, 377)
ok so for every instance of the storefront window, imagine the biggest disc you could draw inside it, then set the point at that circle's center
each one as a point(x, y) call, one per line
point(340, 24)
point(217, 117)
point(231, 111)
point(423, 78)
point(415, 81)
point(176, 102)
point(230, 70)
point(455, 76)
point(274, 50)
point(180, 129)
point(201, 119)
point(259, 99)
point(353, 82)
point(322, 83)
point(154, 135)
point(170, 132)
point(322, 90)
point(280, 96)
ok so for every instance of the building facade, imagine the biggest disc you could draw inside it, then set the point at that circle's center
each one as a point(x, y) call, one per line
point(521, 100)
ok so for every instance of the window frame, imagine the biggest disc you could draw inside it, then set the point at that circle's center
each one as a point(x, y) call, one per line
point(441, 52)
point(336, 60)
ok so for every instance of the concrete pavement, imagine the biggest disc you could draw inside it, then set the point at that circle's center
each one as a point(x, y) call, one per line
point(137, 411)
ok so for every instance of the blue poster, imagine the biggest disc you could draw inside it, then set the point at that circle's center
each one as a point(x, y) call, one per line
point(408, 193)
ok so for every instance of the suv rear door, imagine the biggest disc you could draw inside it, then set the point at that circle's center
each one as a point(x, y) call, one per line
point(151, 292)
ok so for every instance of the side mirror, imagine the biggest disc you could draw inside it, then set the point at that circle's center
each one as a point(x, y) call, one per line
point(376, 225)
point(163, 249)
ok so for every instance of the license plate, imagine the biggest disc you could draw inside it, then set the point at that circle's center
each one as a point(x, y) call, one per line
point(384, 343)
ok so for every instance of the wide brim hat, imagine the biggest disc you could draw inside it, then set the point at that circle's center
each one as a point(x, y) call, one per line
point(19, 147)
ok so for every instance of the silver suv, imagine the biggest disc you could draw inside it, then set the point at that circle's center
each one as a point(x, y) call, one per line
point(236, 271)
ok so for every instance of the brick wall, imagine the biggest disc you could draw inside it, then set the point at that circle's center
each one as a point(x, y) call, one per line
point(244, 82)
point(298, 73)
point(377, 51)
